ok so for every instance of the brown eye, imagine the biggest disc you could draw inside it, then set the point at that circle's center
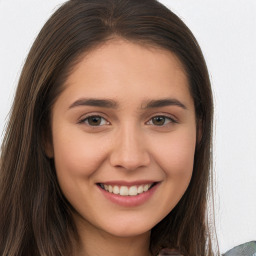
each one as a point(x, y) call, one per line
point(94, 121)
point(161, 120)
point(158, 120)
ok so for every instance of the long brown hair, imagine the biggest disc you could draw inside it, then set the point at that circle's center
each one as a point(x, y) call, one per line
point(35, 217)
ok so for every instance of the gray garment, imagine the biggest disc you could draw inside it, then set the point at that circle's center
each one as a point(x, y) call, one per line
point(247, 249)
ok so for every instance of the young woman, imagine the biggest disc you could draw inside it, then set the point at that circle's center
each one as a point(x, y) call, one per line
point(108, 147)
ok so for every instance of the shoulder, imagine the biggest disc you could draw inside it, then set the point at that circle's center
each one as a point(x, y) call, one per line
point(247, 249)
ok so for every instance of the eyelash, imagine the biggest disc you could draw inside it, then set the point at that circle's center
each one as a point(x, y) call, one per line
point(171, 120)
point(150, 122)
point(85, 120)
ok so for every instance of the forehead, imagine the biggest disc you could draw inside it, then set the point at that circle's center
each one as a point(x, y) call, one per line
point(124, 69)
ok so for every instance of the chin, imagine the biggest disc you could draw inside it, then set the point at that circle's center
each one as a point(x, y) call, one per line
point(131, 228)
point(128, 233)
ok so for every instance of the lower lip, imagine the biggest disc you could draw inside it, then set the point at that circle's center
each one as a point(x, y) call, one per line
point(130, 201)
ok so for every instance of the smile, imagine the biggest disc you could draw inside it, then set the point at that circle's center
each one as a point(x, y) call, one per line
point(127, 190)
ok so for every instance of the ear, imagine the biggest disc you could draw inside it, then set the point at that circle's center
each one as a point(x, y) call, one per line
point(199, 131)
point(47, 143)
point(48, 149)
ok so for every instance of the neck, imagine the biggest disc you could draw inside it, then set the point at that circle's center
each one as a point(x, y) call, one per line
point(96, 242)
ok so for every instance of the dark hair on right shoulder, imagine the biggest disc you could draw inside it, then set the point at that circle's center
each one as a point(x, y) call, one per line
point(35, 217)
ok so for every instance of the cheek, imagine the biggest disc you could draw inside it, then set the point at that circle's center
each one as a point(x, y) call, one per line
point(175, 153)
point(175, 156)
point(77, 154)
point(180, 158)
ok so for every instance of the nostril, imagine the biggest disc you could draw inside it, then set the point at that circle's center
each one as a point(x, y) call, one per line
point(129, 163)
point(128, 152)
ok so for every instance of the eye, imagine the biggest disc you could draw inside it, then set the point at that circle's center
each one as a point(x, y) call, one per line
point(161, 120)
point(94, 121)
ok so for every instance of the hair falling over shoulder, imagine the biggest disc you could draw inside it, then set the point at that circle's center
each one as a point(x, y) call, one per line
point(35, 217)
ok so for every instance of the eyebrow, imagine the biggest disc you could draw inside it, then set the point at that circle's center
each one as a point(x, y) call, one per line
point(106, 103)
point(164, 103)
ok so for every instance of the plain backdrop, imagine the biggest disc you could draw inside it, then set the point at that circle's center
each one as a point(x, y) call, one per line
point(226, 31)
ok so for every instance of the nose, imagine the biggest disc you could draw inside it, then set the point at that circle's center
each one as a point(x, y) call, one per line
point(129, 150)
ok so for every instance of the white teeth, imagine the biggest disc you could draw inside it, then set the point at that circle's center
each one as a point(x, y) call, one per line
point(133, 191)
point(146, 187)
point(125, 190)
point(116, 190)
point(140, 189)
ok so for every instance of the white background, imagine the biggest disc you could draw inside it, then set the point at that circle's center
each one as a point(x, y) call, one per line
point(226, 31)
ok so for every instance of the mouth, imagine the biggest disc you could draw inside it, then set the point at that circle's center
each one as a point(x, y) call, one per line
point(125, 191)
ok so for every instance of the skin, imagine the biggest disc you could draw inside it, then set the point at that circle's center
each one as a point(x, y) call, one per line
point(127, 144)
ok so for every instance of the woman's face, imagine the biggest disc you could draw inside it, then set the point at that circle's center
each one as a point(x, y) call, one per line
point(124, 136)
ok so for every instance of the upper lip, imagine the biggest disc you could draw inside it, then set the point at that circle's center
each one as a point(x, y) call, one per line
point(128, 183)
